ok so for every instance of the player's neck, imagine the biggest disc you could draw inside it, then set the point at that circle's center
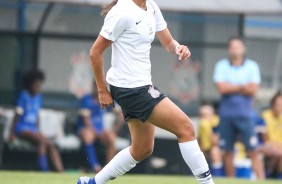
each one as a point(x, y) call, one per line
point(237, 61)
point(31, 93)
point(141, 4)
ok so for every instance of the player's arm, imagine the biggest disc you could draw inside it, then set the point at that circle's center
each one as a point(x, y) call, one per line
point(252, 86)
point(14, 123)
point(172, 46)
point(85, 112)
point(265, 137)
point(85, 116)
point(215, 139)
point(96, 56)
point(249, 89)
point(86, 120)
point(215, 136)
point(227, 88)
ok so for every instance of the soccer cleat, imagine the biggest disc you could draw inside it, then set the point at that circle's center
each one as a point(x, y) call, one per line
point(85, 180)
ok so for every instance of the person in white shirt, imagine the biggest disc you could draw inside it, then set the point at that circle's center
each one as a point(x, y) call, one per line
point(130, 27)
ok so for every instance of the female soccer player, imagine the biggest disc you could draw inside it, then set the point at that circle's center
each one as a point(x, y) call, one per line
point(25, 123)
point(130, 27)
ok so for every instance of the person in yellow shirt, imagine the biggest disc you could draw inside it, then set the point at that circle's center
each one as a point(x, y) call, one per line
point(273, 146)
point(209, 140)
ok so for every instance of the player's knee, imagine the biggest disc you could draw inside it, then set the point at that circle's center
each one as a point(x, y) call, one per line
point(40, 140)
point(142, 153)
point(252, 154)
point(49, 144)
point(228, 155)
point(87, 137)
point(186, 131)
point(148, 151)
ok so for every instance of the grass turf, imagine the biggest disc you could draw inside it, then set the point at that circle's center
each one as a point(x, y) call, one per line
point(7, 177)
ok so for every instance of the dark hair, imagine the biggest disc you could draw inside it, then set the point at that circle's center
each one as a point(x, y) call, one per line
point(106, 8)
point(232, 38)
point(274, 98)
point(30, 77)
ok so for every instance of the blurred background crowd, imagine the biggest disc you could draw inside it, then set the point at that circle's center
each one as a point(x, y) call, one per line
point(50, 118)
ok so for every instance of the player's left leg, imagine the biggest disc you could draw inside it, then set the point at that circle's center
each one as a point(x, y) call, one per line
point(108, 138)
point(168, 116)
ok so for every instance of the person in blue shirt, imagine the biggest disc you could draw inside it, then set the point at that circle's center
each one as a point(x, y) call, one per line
point(91, 127)
point(237, 79)
point(26, 121)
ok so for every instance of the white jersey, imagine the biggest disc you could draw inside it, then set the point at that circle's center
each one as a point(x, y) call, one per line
point(132, 31)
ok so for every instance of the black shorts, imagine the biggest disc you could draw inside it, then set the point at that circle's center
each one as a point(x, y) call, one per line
point(137, 102)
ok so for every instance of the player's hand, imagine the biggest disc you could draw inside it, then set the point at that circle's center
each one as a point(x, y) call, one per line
point(183, 52)
point(105, 99)
point(11, 137)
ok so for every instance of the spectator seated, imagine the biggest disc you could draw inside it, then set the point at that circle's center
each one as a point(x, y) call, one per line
point(51, 125)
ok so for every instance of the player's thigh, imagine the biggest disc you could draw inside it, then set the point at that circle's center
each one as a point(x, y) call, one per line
point(142, 136)
point(227, 133)
point(168, 116)
point(33, 137)
point(270, 150)
point(246, 129)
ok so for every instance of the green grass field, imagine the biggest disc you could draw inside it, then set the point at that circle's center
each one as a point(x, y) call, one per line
point(70, 178)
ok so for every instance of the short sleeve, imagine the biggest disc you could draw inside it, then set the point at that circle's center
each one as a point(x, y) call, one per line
point(21, 104)
point(114, 26)
point(160, 21)
point(219, 73)
point(85, 109)
point(255, 74)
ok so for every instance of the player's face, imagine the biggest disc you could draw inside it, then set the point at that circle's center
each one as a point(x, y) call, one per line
point(277, 106)
point(37, 86)
point(236, 49)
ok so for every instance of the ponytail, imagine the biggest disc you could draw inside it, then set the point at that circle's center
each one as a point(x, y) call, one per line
point(108, 7)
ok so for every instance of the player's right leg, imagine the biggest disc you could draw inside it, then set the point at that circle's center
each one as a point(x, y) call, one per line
point(142, 136)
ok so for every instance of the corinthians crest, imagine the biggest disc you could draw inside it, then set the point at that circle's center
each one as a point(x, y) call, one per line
point(154, 93)
point(80, 79)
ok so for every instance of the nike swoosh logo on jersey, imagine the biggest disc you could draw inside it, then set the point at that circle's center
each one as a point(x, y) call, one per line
point(138, 22)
